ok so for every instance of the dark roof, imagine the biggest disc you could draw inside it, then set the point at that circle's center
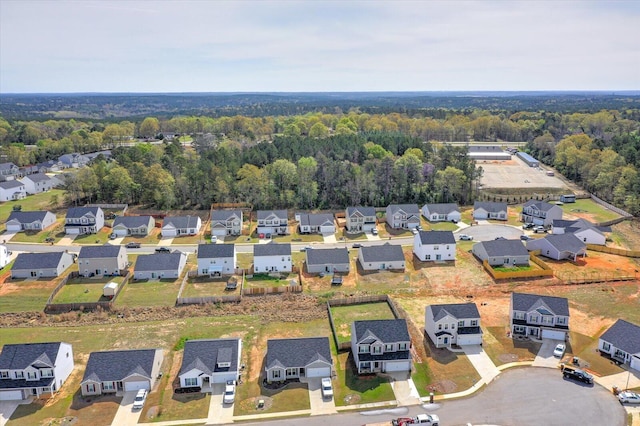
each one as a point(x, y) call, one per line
point(407, 208)
point(490, 206)
point(218, 215)
point(572, 226)
point(623, 335)
point(525, 302)
point(442, 208)
point(263, 214)
point(159, 262)
point(9, 184)
point(484, 148)
point(316, 219)
point(272, 249)
point(21, 355)
point(215, 251)
point(38, 177)
point(117, 365)
point(332, 256)
point(386, 331)
point(543, 206)
point(504, 247)
point(566, 242)
point(456, 310)
point(437, 237)
point(386, 252)
point(297, 352)
point(99, 252)
point(31, 261)
point(132, 221)
point(28, 217)
point(365, 211)
point(205, 355)
point(7, 166)
point(78, 212)
point(181, 222)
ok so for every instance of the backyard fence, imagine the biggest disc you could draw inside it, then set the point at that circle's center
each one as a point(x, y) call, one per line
point(546, 270)
point(257, 291)
point(613, 250)
point(203, 300)
point(610, 207)
point(596, 277)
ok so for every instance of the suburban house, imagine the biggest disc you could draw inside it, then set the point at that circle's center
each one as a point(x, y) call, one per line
point(102, 260)
point(33, 369)
point(9, 171)
point(39, 182)
point(442, 212)
point(27, 170)
point(216, 259)
point(121, 371)
point(327, 260)
point(381, 346)
point(272, 222)
point(539, 317)
point(209, 361)
point(453, 324)
point(386, 256)
point(489, 210)
point(586, 231)
point(540, 213)
point(176, 226)
point(226, 222)
point(360, 219)
point(12, 190)
point(138, 226)
point(558, 247)
point(272, 257)
point(41, 265)
point(159, 266)
point(403, 216)
point(49, 166)
point(92, 156)
point(622, 342)
point(502, 252)
point(74, 160)
point(434, 246)
point(316, 223)
point(5, 256)
point(30, 221)
point(83, 220)
point(298, 358)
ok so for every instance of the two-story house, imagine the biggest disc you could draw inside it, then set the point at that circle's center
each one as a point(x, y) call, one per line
point(272, 257)
point(441, 212)
point(490, 210)
point(12, 190)
point(177, 226)
point(403, 216)
point(33, 369)
point(139, 226)
point(102, 260)
point(159, 266)
point(622, 343)
point(316, 223)
point(74, 160)
point(539, 317)
point(216, 259)
point(272, 222)
point(9, 171)
point(226, 222)
point(360, 219)
point(584, 230)
point(83, 220)
point(453, 324)
point(540, 213)
point(38, 182)
point(434, 246)
point(30, 221)
point(380, 346)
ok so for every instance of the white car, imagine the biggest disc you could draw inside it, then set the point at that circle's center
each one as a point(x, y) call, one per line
point(558, 352)
point(214, 239)
point(229, 392)
point(465, 237)
point(627, 397)
point(327, 388)
point(140, 398)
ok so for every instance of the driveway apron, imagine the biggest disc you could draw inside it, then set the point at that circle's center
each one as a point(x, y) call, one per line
point(545, 356)
point(126, 416)
point(219, 413)
point(481, 362)
point(404, 389)
point(319, 405)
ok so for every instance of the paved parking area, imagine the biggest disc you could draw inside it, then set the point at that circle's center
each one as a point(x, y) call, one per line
point(66, 240)
point(126, 416)
point(545, 357)
point(319, 405)
point(219, 413)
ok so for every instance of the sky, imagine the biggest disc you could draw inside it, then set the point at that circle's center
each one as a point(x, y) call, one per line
point(56, 46)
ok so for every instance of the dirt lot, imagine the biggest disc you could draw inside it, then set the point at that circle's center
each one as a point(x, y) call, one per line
point(515, 173)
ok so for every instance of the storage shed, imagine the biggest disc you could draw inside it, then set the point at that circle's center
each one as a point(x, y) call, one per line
point(110, 289)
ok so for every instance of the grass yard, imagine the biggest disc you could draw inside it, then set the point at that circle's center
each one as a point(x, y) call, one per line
point(451, 372)
point(153, 237)
point(344, 316)
point(590, 210)
point(56, 231)
point(503, 349)
point(22, 295)
point(421, 377)
point(349, 388)
point(245, 260)
point(441, 226)
point(78, 290)
point(149, 293)
point(205, 287)
point(40, 201)
point(584, 347)
point(102, 237)
point(264, 280)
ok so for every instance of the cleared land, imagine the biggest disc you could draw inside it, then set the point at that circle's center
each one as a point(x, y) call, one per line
point(515, 173)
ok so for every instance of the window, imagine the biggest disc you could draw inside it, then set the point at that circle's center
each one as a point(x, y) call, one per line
point(474, 323)
point(533, 318)
point(191, 381)
point(436, 247)
point(460, 324)
point(518, 315)
point(605, 347)
point(363, 349)
point(291, 372)
point(91, 387)
point(32, 375)
point(4, 374)
point(224, 364)
point(402, 346)
point(453, 326)
point(446, 326)
point(47, 372)
point(439, 326)
point(561, 320)
point(19, 375)
point(376, 350)
point(276, 374)
point(547, 320)
point(108, 386)
point(427, 257)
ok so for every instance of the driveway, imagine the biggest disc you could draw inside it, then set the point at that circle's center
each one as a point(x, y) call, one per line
point(319, 405)
point(491, 232)
point(371, 237)
point(7, 408)
point(625, 380)
point(7, 236)
point(66, 240)
point(219, 413)
point(545, 357)
point(481, 362)
point(329, 238)
point(165, 241)
point(404, 389)
point(126, 416)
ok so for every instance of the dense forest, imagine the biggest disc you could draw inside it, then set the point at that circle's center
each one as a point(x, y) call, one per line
point(326, 159)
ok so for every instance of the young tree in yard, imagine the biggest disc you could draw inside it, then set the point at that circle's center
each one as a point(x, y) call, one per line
point(149, 127)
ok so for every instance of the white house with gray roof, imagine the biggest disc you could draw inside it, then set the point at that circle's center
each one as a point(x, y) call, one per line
point(30, 221)
point(441, 212)
point(115, 372)
point(559, 247)
point(484, 210)
point(74, 160)
point(226, 222)
point(403, 216)
point(83, 220)
point(272, 257)
point(138, 226)
point(540, 213)
point(622, 343)
point(298, 358)
point(216, 259)
point(327, 260)
point(12, 190)
point(539, 317)
point(209, 361)
point(386, 256)
point(360, 219)
point(453, 324)
point(273, 222)
point(177, 226)
point(102, 260)
point(33, 369)
point(502, 252)
point(5, 256)
point(8, 171)
point(159, 266)
point(381, 346)
point(38, 182)
point(316, 223)
point(434, 246)
point(586, 231)
point(41, 265)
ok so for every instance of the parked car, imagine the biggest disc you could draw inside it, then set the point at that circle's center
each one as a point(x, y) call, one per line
point(539, 229)
point(133, 245)
point(163, 250)
point(229, 392)
point(356, 245)
point(112, 236)
point(214, 239)
point(140, 399)
point(525, 237)
point(528, 226)
point(627, 397)
point(49, 240)
point(305, 248)
point(577, 374)
point(327, 388)
point(374, 231)
point(465, 237)
point(558, 352)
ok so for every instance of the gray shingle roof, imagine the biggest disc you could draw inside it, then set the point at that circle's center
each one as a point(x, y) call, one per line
point(289, 353)
point(333, 256)
point(78, 212)
point(505, 247)
point(490, 206)
point(11, 184)
point(181, 222)
point(100, 252)
point(456, 310)
point(409, 209)
point(38, 177)
point(317, 219)
point(365, 211)
point(117, 365)
point(437, 237)
point(272, 249)
point(263, 214)
point(566, 242)
point(442, 208)
point(384, 253)
point(218, 215)
point(21, 355)
point(572, 226)
point(132, 221)
point(205, 355)
point(7, 166)
point(33, 261)
point(28, 217)
point(158, 262)
point(543, 206)
point(387, 331)
point(623, 335)
point(525, 302)
point(215, 251)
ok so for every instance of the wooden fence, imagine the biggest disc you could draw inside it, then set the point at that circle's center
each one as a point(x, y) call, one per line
point(271, 290)
point(203, 300)
point(546, 271)
point(613, 250)
point(51, 307)
point(596, 277)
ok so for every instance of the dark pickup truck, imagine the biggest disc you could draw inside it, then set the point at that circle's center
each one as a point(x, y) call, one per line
point(577, 374)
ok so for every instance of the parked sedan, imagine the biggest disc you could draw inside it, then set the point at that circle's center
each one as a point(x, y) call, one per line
point(465, 237)
point(140, 398)
point(229, 392)
point(327, 388)
point(627, 397)
point(558, 352)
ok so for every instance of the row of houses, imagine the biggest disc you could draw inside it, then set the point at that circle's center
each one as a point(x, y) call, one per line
point(9, 171)
point(18, 189)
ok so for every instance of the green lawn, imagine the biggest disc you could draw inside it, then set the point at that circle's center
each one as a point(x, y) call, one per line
point(349, 388)
point(421, 378)
point(584, 347)
point(79, 290)
point(263, 280)
point(344, 316)
point(40, 201)
point(149, 293)
point(101, 237)
point(26, 295)
point(442, 226)
point(56, 231)
point(586, 205)
point(205, 287)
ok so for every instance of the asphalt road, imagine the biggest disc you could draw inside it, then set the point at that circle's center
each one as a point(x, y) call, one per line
point(518, 397)
point(491, 232)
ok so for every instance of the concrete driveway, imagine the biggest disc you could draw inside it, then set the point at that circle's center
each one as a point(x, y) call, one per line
point(319, 405)
point(490, 232)
point(329, 238)
point(7, 408)
point(126, 415)
point(7, 236)
point(481, 362)
point(66, 240)
point(545, 357)
point(404, 389)
point(219, 413)
point(625, 380)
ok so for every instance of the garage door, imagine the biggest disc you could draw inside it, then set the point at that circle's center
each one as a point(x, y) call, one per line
point(552, 334)
point(635, 363)
point(397, 366)
point(469, 340)
point(15, 395)
point(319, 372)
point(134, 386)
